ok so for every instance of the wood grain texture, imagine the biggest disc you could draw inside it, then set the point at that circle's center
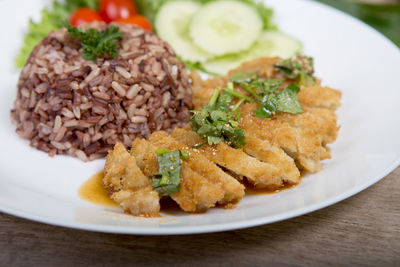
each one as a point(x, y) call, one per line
point(362, 230)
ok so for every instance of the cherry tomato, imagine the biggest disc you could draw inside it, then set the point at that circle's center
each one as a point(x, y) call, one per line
point(112, 10)
point(83, 15)
point(138, 20)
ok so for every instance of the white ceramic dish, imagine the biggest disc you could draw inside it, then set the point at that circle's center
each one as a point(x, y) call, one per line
point(349, 56)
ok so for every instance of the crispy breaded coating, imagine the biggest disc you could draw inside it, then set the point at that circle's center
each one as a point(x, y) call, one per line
point(320, 97)
point(145, 156)
point(302, 144)
point(233, 190)
point(322, 121)
point(127, 185)
point(259, 173)
point(195, 194)
point(265, 151)
point(301, 136)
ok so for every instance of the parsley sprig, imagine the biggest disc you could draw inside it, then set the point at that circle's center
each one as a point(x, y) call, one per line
point(96, 43)
point(297, 67)
point(218, 120)
point(167, 180)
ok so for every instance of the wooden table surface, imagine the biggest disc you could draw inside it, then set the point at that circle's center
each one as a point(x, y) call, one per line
point(362, 230)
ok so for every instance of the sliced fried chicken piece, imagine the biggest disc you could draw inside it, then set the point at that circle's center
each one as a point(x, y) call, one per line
point(320, 97)
point(233, 190)
point(195, 192)
point(259, 173)
point(128, 186)
point(265, 151)
point(145, 156)
point(301, 144)
point(322, 121)
point(328, 121)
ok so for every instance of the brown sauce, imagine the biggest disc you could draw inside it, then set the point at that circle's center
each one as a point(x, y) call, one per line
point(169, 206)
point(94, 192)
point(251, 190)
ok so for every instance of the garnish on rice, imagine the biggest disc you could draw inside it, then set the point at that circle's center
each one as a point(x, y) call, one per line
point(97, 43)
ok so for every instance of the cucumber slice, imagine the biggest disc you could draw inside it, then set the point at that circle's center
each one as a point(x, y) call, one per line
point(225, 27)
point(269, 44)
point(222, 65)
point(172, 24)
point(274, 44)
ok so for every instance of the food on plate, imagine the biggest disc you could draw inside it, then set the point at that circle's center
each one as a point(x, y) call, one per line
point(212, 36)
point(305, 136)
point(77, 12)
point(202, 183)
point(261, 125)
point(106, 85)
point(84, 90)
point(216, 36)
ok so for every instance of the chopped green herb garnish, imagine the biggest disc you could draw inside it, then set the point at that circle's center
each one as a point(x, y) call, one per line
point(97, 43)
point(297, 67)
point(167, 180)
point(280, 101)
point(268, 94)
point(218, 121)
point(184, 155)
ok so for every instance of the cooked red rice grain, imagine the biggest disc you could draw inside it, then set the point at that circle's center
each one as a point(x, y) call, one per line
point(67, 105)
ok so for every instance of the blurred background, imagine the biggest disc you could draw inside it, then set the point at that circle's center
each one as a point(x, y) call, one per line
point(383, 15)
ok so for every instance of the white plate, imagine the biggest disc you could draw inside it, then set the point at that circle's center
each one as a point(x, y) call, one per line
point(349, 56)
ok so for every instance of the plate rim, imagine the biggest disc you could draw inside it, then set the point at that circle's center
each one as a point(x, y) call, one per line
point(221, 227)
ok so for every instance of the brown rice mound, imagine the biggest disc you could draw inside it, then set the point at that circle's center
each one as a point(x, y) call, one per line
point(68, 105)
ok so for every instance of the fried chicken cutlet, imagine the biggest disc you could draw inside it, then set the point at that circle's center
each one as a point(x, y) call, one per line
point(276, 149)
point(304, 136)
